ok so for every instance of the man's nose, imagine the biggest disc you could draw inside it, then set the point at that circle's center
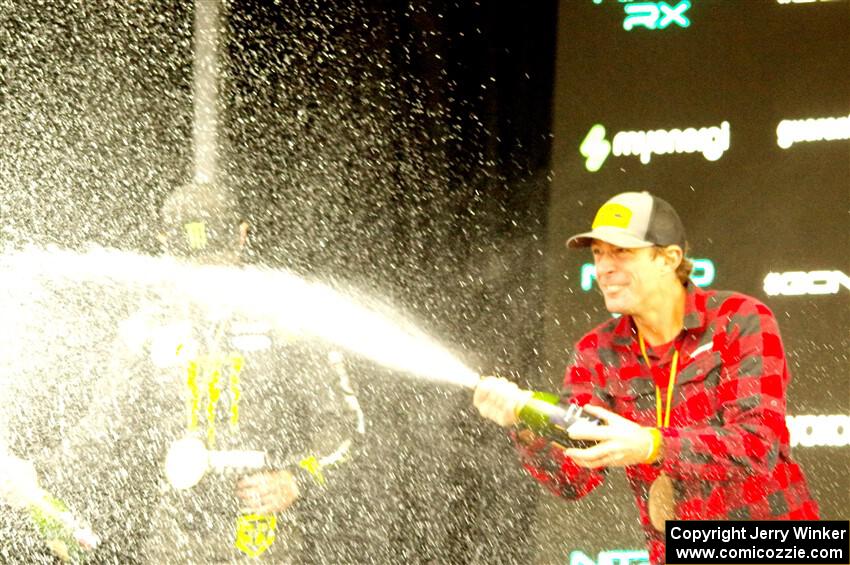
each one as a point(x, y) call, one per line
point(604, 264)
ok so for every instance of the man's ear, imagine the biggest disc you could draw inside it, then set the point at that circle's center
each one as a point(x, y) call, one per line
point(673, 256)
point(244, 228)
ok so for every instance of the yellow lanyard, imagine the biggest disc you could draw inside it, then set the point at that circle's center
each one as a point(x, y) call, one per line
point(670, 385)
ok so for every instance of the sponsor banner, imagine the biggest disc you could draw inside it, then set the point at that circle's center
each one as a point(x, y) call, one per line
point(823, 430)
point(709, 141)
point(654, 15)
point(800, 283)
point(806, 1)
point(789, 132)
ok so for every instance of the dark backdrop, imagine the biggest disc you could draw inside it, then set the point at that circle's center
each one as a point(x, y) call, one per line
point(398, 147)
point(755, 210)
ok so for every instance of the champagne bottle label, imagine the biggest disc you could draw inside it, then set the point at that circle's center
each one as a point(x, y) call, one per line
point(546, 417)
point(54, 524)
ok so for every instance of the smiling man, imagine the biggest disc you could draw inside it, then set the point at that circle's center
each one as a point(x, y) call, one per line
point(690, 385)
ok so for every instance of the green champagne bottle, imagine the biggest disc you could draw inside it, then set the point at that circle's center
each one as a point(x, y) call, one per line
point(59, 530)
point(545, 416)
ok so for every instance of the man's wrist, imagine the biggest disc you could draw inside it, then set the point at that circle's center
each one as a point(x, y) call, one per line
point(654, 448)
point(521, 399)
point(301, 479)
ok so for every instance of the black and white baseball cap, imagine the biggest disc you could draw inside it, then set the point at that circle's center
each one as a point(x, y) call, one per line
point(634, 219)
point(199, 218)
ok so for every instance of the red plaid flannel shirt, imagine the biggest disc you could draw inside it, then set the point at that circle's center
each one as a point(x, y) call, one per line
point(727, 447)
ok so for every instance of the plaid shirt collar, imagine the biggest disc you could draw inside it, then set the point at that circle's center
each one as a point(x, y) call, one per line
point(625, 332)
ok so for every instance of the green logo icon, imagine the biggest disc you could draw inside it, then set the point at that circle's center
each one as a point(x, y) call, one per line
point(595, 148)
point(703, 275)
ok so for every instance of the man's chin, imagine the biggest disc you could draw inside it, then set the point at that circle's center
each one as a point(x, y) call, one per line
point(616, 308)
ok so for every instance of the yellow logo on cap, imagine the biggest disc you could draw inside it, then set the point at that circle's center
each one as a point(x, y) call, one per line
point(612, 215)
point(196, 235)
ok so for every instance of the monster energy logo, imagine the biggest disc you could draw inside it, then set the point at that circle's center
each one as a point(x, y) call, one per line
point(196, 235)
point(207, 374)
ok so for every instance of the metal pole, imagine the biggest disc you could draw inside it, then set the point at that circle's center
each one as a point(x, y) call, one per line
point(206, 89)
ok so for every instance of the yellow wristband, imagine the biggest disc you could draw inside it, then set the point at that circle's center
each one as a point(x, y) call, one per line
point(652, 455)
point(521, 400)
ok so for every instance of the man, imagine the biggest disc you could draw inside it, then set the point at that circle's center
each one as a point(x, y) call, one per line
point(689, 385)
point(228, 428)
point(46, 368)
point(32, 521)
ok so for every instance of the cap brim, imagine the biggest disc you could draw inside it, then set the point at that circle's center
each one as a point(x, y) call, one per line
point(614, 237)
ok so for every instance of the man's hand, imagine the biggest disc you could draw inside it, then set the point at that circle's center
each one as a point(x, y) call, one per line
point(498, 399)
point(19, 488)
point(267, 492)
point(18, 481)
point(621, 441)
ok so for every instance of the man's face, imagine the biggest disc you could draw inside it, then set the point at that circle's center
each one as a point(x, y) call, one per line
point(630, 279)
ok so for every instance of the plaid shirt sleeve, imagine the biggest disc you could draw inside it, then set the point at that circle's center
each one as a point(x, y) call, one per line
point(544, 460)
point(751, 400)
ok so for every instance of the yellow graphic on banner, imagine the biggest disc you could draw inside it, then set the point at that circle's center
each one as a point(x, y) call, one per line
point(255, 533)
point(196, 235)
point(205, 376)
point(312, 466)
point(612, 215)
